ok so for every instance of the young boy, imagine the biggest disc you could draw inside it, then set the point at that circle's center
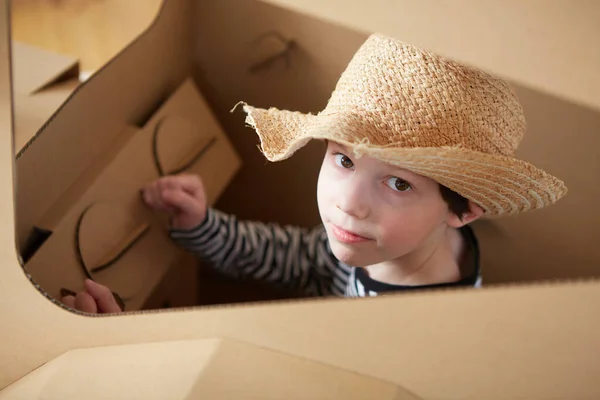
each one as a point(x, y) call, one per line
point(418, 147)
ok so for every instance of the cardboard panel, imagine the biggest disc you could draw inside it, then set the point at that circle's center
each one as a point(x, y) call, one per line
point(178, 288)
point(36, 69)
point(33, 110)
point(125, 94)
point(43, 80)
point(197, 369)
point(544, 46)
point(106, 232)
point(95, 30)
point(155, 362)
point(558, 242)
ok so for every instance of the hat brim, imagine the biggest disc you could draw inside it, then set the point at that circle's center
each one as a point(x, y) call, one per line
point(501, 185)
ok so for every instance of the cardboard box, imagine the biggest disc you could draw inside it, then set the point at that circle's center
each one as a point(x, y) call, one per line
point(100, 228)
point(530, 333)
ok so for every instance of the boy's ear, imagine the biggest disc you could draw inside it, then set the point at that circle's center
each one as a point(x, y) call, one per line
point(474, 213)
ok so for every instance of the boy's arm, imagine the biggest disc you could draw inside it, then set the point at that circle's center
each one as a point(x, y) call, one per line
point(293, 257)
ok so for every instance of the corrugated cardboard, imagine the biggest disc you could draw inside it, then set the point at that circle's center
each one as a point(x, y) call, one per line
point(525, 340)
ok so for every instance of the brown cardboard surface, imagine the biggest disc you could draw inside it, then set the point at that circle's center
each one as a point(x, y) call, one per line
point(134, 91)
point(546, 46)
point(33, 110)
point(35, 69)
point(188, 369)
point(178, 288)
point(43, 80)
point(533, 341)
point(95, 30)
point(104, 216)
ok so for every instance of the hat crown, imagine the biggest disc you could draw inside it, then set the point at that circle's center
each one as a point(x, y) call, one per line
point(397, 95)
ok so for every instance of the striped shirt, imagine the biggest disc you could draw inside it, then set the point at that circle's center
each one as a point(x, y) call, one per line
point(296, 258)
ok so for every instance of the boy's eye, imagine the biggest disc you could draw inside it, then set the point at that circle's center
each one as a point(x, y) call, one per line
point(397, 184)
point(343, 161)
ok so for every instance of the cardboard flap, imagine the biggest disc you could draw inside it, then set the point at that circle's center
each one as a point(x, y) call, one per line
point(35, 69)
point(104, 234)
point(207, 369)
point(106, 231)
point(178, 144)
point(185, 133)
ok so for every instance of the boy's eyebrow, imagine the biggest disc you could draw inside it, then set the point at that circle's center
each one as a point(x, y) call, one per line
point(409, 175)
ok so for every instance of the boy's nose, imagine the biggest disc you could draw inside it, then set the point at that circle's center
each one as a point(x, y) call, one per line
point(354, 203)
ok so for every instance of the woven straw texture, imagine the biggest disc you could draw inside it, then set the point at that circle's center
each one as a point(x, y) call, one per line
point(430, 115)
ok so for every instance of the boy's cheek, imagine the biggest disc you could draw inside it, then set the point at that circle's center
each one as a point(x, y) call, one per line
point(400, 234)
point(326, 193)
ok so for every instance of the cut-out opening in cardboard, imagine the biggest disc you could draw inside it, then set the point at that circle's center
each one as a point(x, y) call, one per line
point(276, 58)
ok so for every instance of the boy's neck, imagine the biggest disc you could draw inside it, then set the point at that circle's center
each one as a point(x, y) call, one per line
point(435, 262)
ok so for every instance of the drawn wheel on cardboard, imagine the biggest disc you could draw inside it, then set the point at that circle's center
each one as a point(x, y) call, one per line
point(177, 144)
point(107, 237)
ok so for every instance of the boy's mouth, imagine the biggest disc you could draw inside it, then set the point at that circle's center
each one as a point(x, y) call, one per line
point(345, 236)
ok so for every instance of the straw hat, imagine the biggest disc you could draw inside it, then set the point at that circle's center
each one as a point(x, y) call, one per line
point(435, 117)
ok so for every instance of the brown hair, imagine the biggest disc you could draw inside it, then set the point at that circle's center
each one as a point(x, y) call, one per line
point(457, 203)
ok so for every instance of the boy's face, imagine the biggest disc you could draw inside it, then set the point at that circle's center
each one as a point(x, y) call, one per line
point(374, 212)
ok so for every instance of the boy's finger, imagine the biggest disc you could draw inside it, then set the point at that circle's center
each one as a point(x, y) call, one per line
point(182, 201)
point(68, 301)
point(103, 297)
point(190, 183)
point(86, 303)
point(152, 197)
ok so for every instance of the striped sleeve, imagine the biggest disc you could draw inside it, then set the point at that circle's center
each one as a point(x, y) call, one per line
point(292, 257)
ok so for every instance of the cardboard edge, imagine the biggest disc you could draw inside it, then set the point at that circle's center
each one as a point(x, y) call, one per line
point(450, 291)
point(10, 97)
point(70, 69)
point(31, 111)
point(30, 142)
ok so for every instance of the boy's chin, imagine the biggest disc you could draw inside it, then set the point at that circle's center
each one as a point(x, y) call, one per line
point(351, 257)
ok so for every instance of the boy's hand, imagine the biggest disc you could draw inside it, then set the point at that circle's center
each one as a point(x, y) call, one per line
point(181, 196)
point(95, 298)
